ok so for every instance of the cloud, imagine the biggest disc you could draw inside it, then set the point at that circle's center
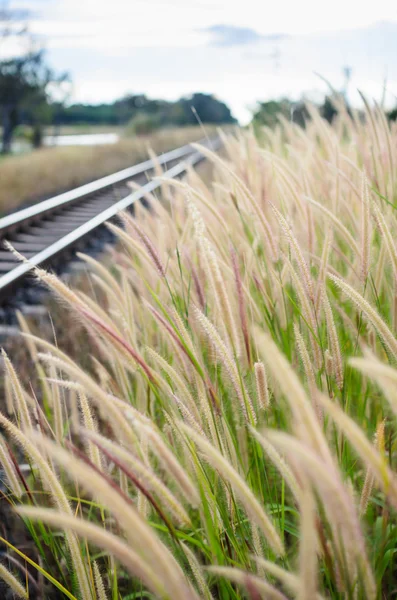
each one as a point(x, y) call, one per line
point(230, 35)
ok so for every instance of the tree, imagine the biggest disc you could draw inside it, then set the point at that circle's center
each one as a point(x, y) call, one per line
point(268, 113)
point(206, 108)
point(25, 83)
point(392, 115)
point(328, 110)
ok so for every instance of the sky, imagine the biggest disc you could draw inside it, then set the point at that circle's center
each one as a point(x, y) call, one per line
point(241, 50)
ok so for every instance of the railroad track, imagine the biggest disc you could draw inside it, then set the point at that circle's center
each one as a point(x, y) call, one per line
point(49, 233)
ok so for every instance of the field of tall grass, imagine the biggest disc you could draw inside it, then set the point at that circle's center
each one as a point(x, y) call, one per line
point(236, 436)
point(31, 177)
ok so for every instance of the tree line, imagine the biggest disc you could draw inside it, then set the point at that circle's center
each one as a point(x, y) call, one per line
point(143, 115)
point(268, 113)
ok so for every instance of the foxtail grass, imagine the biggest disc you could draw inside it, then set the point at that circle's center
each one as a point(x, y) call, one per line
point(235, 436)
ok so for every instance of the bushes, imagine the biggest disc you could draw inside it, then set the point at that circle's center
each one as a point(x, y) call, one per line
point(143, 124)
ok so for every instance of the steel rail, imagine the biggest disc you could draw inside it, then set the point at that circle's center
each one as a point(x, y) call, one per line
point(16, 275)
point(24, 216)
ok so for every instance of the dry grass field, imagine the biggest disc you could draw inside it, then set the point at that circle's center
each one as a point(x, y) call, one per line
point(48, 171)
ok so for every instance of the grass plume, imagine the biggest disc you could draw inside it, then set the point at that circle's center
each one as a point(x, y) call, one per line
point(236, 432)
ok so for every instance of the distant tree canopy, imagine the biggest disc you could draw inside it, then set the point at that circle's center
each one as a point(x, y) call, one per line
point(392, 114)
point(144, 114)
point(268, 113)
